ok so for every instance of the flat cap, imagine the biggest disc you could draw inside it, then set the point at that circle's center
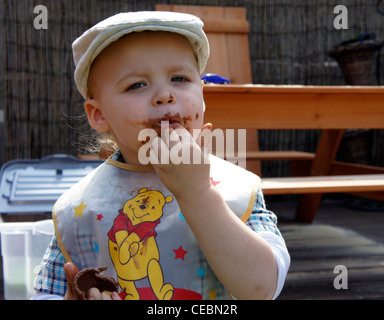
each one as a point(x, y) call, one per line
point(89, 45)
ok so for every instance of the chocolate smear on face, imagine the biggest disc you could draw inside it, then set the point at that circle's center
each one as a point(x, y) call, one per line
point(91, 278)
point(174, 120)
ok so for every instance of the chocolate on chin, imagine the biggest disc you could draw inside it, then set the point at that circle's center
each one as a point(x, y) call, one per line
point(91, 278)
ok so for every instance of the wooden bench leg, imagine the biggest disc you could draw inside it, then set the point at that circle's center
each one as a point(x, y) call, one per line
point(322, 164)
point(307, 208)
point(253, 145)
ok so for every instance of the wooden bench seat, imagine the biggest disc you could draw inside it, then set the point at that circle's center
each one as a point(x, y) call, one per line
point(296, 157)
point(323, 184)
point(280, 155)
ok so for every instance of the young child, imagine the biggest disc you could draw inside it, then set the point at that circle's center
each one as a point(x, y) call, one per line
point(164, 230)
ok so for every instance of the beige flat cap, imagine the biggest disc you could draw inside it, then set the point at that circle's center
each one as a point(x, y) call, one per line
point(89, 45)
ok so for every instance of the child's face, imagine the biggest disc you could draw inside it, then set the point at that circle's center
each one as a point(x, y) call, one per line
point(140, 80)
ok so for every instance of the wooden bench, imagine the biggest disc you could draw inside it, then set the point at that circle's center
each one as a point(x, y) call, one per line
point(278, 155)
point(330, 109)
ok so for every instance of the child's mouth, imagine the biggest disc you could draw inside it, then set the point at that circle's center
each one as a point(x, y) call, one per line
point(174, 121)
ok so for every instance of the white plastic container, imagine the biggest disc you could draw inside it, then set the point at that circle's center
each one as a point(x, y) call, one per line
point(23, 245)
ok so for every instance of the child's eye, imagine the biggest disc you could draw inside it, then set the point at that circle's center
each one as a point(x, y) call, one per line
point(136, 86)
point(179, 79)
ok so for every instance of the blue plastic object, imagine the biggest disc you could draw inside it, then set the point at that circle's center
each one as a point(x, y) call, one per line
point(214, 78)
point(33, 186)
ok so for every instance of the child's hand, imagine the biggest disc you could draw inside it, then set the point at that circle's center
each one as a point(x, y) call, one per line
point(192, 176)
point(93, 294)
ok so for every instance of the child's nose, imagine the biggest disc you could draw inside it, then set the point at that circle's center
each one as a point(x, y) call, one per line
point(164, 98)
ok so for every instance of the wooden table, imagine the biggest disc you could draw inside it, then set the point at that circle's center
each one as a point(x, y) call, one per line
point(331, 109)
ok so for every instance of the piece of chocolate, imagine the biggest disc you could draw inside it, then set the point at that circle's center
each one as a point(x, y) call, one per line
point(91, 278)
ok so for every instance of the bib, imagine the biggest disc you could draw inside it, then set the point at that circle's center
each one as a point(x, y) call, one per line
point(123, 217)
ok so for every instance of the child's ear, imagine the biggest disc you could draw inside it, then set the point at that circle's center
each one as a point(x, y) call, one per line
point(95, 116)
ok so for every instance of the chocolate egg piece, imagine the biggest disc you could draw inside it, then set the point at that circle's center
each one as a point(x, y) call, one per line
point(91, 278)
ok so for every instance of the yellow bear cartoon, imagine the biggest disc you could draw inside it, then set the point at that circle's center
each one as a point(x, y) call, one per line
point(132, 245)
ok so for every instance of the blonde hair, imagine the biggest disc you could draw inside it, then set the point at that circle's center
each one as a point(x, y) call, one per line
point(90, 141)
